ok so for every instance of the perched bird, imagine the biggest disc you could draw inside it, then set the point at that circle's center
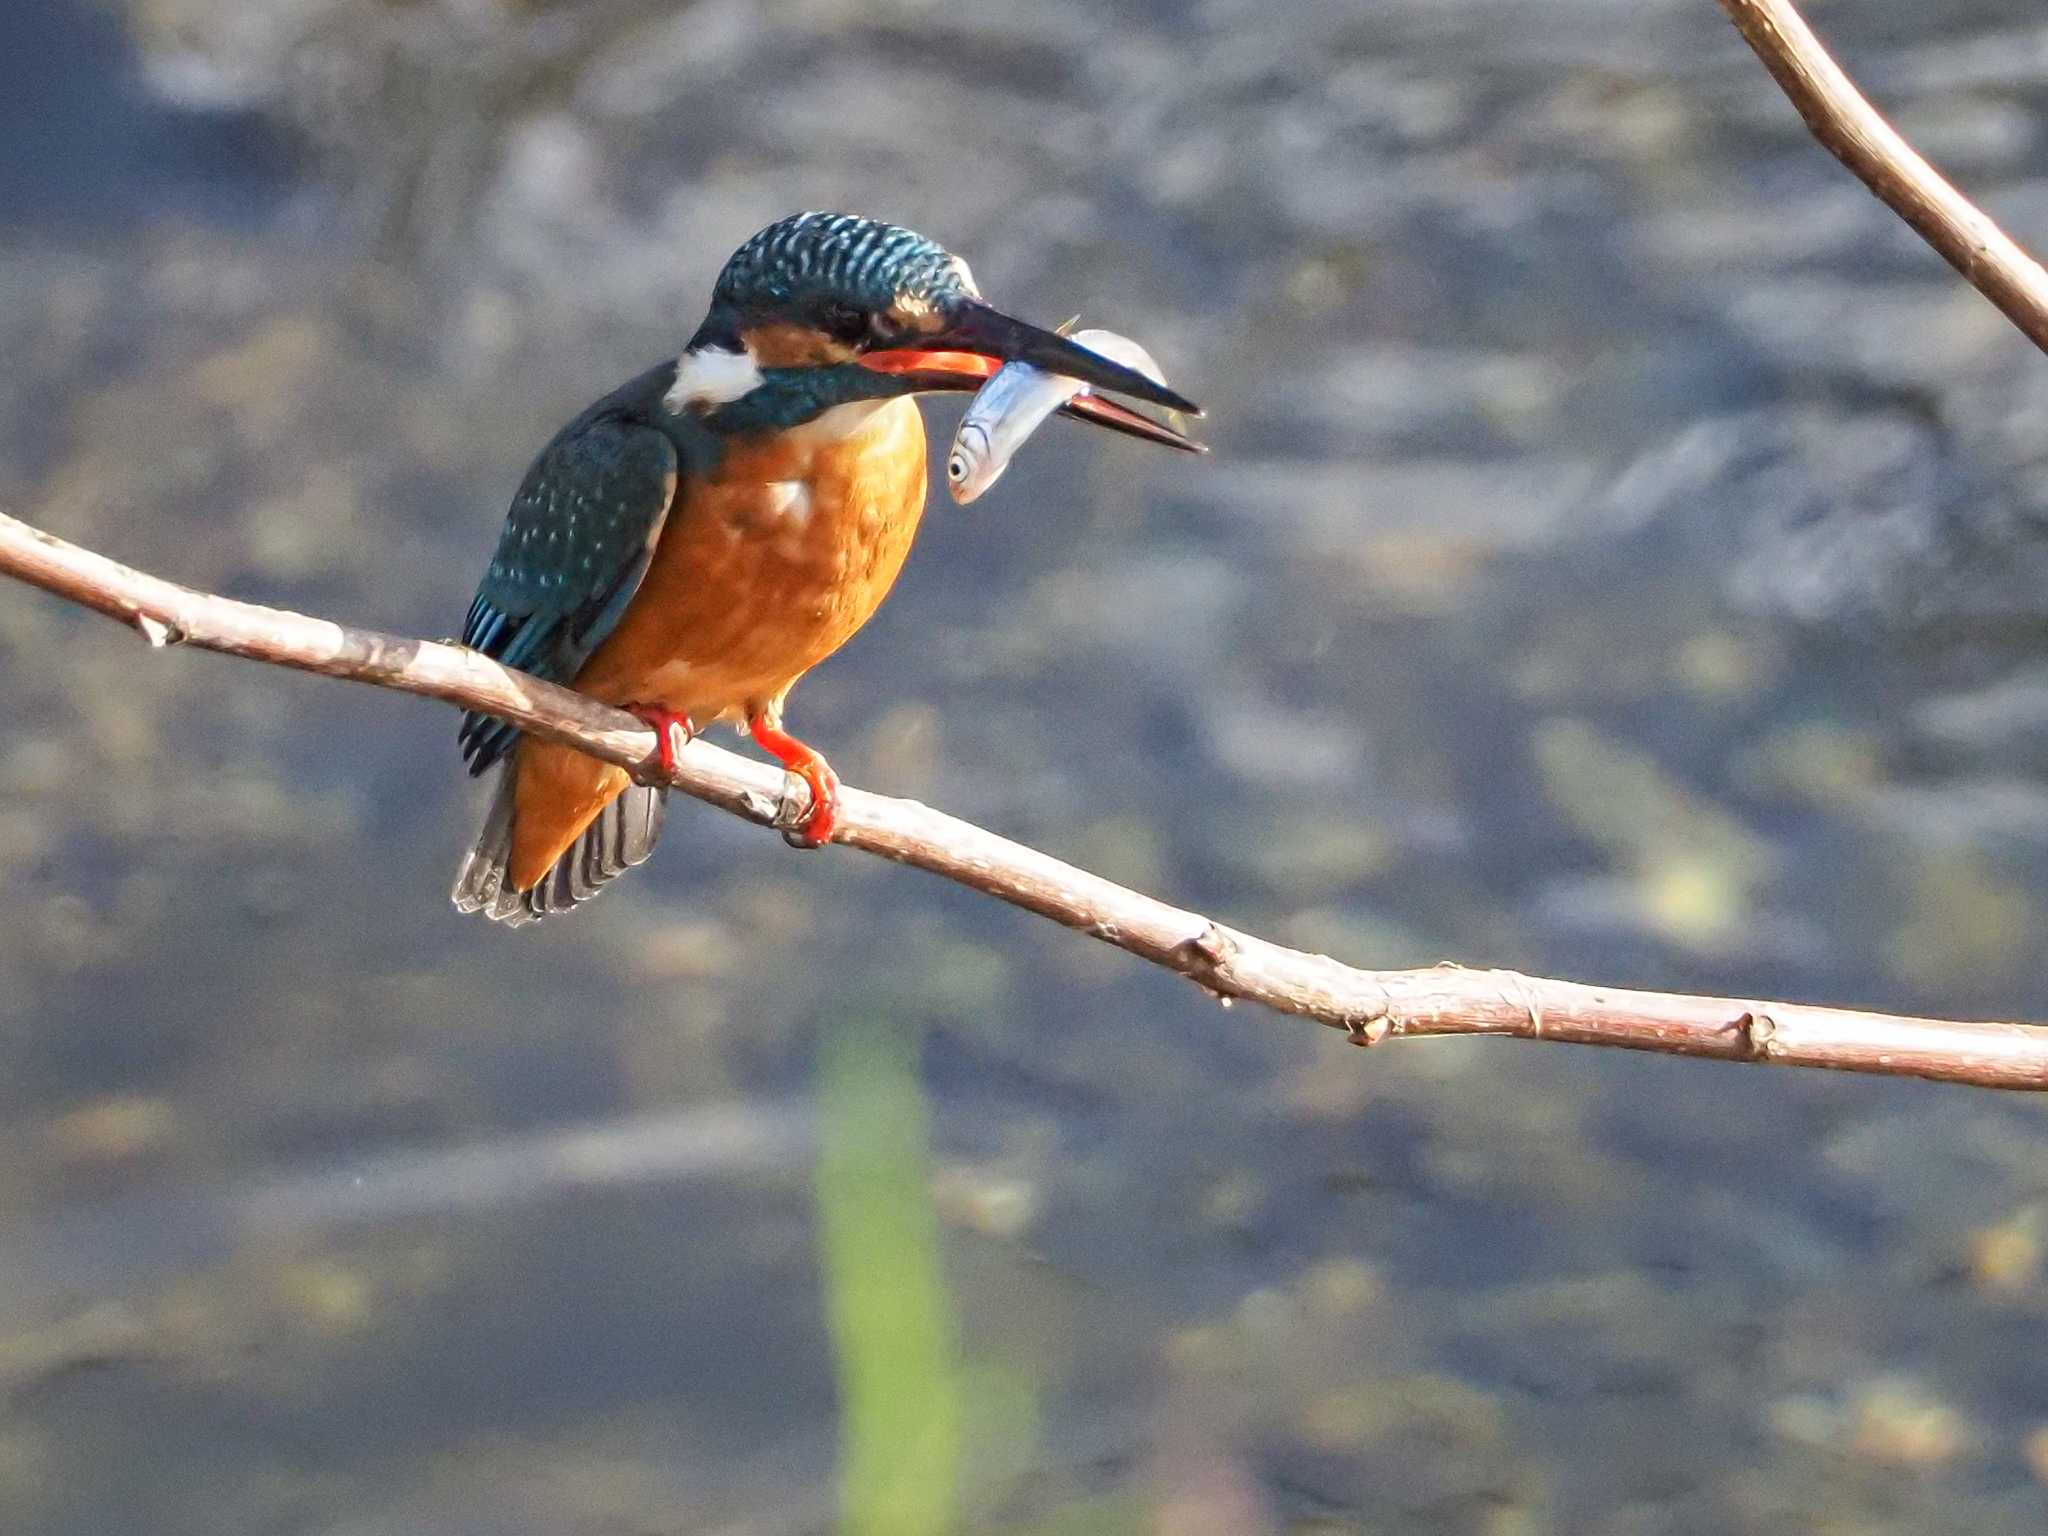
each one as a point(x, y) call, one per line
point(694, 542)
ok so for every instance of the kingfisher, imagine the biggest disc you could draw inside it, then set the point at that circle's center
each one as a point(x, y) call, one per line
point(697, 540)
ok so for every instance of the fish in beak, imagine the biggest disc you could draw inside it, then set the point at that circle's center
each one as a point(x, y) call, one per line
point(1011, 405)
point(975, 341)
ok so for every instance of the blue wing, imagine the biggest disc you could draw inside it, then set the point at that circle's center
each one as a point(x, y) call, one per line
point(575, 546)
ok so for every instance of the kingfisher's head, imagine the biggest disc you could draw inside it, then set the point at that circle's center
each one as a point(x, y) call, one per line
point(824, 309)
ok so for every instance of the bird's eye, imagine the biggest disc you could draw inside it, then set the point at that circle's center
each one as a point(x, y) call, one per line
point(844, 323)
point(886, 325)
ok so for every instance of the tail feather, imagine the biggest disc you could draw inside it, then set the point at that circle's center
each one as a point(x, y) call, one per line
point(622, 836)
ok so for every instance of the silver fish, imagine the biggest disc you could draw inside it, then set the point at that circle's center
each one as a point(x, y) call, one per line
point(1010, 406)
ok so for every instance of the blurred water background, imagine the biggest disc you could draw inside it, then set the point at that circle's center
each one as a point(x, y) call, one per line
point(1623, 557)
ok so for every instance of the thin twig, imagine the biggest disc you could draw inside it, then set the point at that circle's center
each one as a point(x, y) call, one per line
point(1853, 131)
point(1370, 1006)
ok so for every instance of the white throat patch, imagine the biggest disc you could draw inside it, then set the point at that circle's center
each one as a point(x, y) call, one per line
point(712, 376)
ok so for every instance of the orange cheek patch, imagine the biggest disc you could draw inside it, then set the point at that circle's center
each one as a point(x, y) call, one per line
point(793, 346)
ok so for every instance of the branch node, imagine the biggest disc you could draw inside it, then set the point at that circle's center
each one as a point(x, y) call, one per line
point(1524, 998)
point(1368, 1031)
point(158, 633)
point(1202, 957)
point(1208, 951)
point(1759, 1033)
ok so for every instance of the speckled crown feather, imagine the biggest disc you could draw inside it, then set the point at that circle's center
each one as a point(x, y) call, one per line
point(841, 255)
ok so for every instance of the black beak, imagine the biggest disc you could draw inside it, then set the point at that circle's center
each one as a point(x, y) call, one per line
point(978, 340)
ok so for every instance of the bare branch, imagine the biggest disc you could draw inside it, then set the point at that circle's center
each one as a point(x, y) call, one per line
point(1370, 1006)
point(1851, 130)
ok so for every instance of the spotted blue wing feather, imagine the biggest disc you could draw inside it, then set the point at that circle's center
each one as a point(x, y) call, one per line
point(574, 548)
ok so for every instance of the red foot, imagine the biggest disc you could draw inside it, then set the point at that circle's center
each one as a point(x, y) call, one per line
point(808, 764)
point(671, 730)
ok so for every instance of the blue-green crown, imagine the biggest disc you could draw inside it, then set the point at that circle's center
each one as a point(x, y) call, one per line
point(840, 256)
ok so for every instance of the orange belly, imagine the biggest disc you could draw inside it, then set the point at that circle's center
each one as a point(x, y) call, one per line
point(763, 570)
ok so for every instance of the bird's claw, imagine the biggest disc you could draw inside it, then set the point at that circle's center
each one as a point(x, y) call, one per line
point(793, 812)
point(807, 821)
point(672, 732)
point(805, 817)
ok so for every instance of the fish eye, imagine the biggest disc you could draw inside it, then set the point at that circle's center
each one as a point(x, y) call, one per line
point(956, 467)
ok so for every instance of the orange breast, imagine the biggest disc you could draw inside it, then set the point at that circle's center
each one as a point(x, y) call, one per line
point(764, 569)
point(768, 567)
